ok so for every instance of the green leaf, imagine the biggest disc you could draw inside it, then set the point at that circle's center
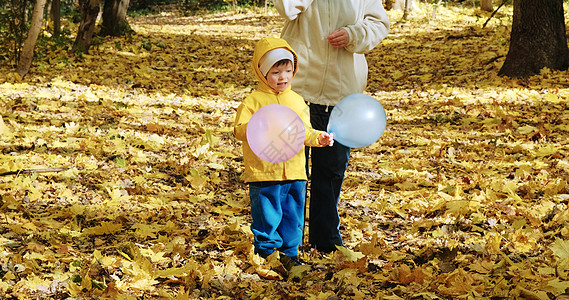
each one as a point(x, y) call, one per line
point(121, 162)
point(98, 285)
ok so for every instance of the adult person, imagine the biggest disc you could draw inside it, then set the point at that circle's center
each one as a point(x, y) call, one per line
point(330, 38)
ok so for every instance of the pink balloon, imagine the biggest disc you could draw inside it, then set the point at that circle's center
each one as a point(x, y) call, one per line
point(275, 133)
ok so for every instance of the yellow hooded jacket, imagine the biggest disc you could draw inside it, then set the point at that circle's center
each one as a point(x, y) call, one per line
point(257, 169)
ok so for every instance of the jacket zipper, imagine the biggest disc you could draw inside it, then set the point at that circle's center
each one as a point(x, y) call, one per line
point(327, 48)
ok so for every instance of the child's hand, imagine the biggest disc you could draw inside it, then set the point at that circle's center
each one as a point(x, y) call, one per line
point(326, 139)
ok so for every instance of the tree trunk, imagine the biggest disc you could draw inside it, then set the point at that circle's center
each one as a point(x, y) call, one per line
point(89, 12)
point(114, 18)
point(30, 42)
point(486, 5)
point(538, 38)
point(406, 10)
point(56, 16)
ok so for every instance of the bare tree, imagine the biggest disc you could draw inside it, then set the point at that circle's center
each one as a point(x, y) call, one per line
point(114, 18)
point(30, 43)
point(538, 38)
point(486, 5)
point(56, 17)
point(89, 12)
point(406, 10)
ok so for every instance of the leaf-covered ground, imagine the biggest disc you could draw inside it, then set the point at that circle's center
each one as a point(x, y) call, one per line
point(128, 186)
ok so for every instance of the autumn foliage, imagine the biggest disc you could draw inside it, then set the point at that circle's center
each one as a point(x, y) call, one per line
point(121, 176)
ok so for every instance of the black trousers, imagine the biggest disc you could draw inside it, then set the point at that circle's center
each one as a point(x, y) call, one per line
point(327, 175)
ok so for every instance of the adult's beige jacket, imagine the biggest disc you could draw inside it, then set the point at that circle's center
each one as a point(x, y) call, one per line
point(257, 169)
point(329, 74)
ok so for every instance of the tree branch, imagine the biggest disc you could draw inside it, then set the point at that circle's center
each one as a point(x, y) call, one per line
point(495, 11)
point(31, 171)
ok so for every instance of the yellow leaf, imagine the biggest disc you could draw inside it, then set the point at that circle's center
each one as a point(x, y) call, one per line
point(188, 268)
point(155, 257)
point(156, 139)
point(522, 241)
point(104, 228)
point(118, 195)
point(299, 271)
point(169, 226)
point(195, 179)
point(546, 151)
point(4, 130)
point(268, 274)
point(555, 187)
point(483, 267)
point(73, 289)
point(216, 166)
point(397, 75)
point(146, 284)
point(527, 129)
point(552, 98)
point(527, 294)
point(509, 187)
point(460, 282)
point(372, 248)
point(34, 281)
point(146, 230)
point(458, 207)
point(350, 254)
point(30, 226)
point(556, 286)
point(560, 248)
point(9, 276)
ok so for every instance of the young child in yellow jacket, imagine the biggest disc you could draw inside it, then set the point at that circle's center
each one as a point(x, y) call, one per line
point(277, 190)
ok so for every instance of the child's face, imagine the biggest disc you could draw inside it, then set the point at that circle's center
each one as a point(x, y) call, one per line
point(279, 77)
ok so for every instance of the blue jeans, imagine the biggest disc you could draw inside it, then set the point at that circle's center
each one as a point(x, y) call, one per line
point(277, 208)
point(326, 178)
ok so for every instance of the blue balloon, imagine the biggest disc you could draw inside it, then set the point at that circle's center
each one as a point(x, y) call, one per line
point(357, 121)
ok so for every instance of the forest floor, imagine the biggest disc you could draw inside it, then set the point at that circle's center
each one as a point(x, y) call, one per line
point(126, 184)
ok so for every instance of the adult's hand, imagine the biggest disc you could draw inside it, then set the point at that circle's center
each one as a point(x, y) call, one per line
point(339, 38)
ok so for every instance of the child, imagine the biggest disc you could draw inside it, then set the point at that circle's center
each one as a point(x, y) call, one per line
point(276, 190)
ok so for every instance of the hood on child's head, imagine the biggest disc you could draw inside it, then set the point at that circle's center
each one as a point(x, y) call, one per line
point(274, 56)
point(279, 49)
